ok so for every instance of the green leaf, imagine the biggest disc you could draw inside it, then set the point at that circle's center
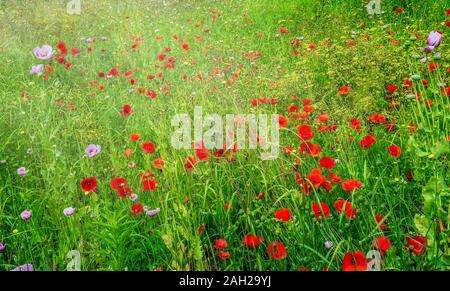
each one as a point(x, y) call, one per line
point(198, 254)
point(422, 224)
point(430, 195)
point(439, 149)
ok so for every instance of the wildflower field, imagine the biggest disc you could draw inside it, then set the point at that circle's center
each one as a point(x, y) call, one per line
point(357, 178)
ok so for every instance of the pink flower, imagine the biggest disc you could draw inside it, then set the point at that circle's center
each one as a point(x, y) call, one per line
point(26, 214)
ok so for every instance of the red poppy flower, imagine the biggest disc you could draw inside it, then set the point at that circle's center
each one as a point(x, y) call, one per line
point(283, 121)
point(190, 163)
point(283, 214)
point(326, 184)
point(223, 255)
point(355, 124)
point(260, 195)
point(185, 46)
point(324, 128)
point(220, 244)
point(367, 141)
point(349, 211)
point(391, 88)
point(339, 204)
point(200, 229)
point(376, 118)
point(137, 209)
point(89, 184)
point(252, 241)
point(344, 90)
point(412, 127)
point(394, 150)
point(419, 245)
point(149, 184)
point(135, 136)
point(114, 72)
point(316, 178)
point(277, 250)
point(305, 132)
point(446, 90)
point(305, 186)
point(61, 46)
point(75, 51)
point(335, 178)
point(60, 59)
point(308, 109)
point(350, 185)
point(158, 163)
point(293, 108)
point(327, 163)
point(407, 83)
point(312, 46)
point(432, 66)
point(354, 261)
point(283, 30)
point(123, 192)
point(288, 150)
point(307, 148)
point(323, 117)
point(128, 74)
point(126, 110)
point(152, 94)
point(117, 183)
point(148, 147)
point(390, 125)
point(382, 244)
point(319, 213)
point(203, 154)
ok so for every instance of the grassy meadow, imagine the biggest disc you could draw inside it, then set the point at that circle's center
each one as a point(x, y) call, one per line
point(364, 121)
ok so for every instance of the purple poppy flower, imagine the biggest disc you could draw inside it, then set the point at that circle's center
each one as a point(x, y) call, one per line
point(2, 247)
point(26, 214)
point(133, 197)
point(26, 267)
point(22, 171)
point(426, 49)
point(43, 53)
point(90, 40)
point(36, 70)
point(69, 211)
point(328, 244)
point(153, 212)
point(92, 150)
point(434, 39)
